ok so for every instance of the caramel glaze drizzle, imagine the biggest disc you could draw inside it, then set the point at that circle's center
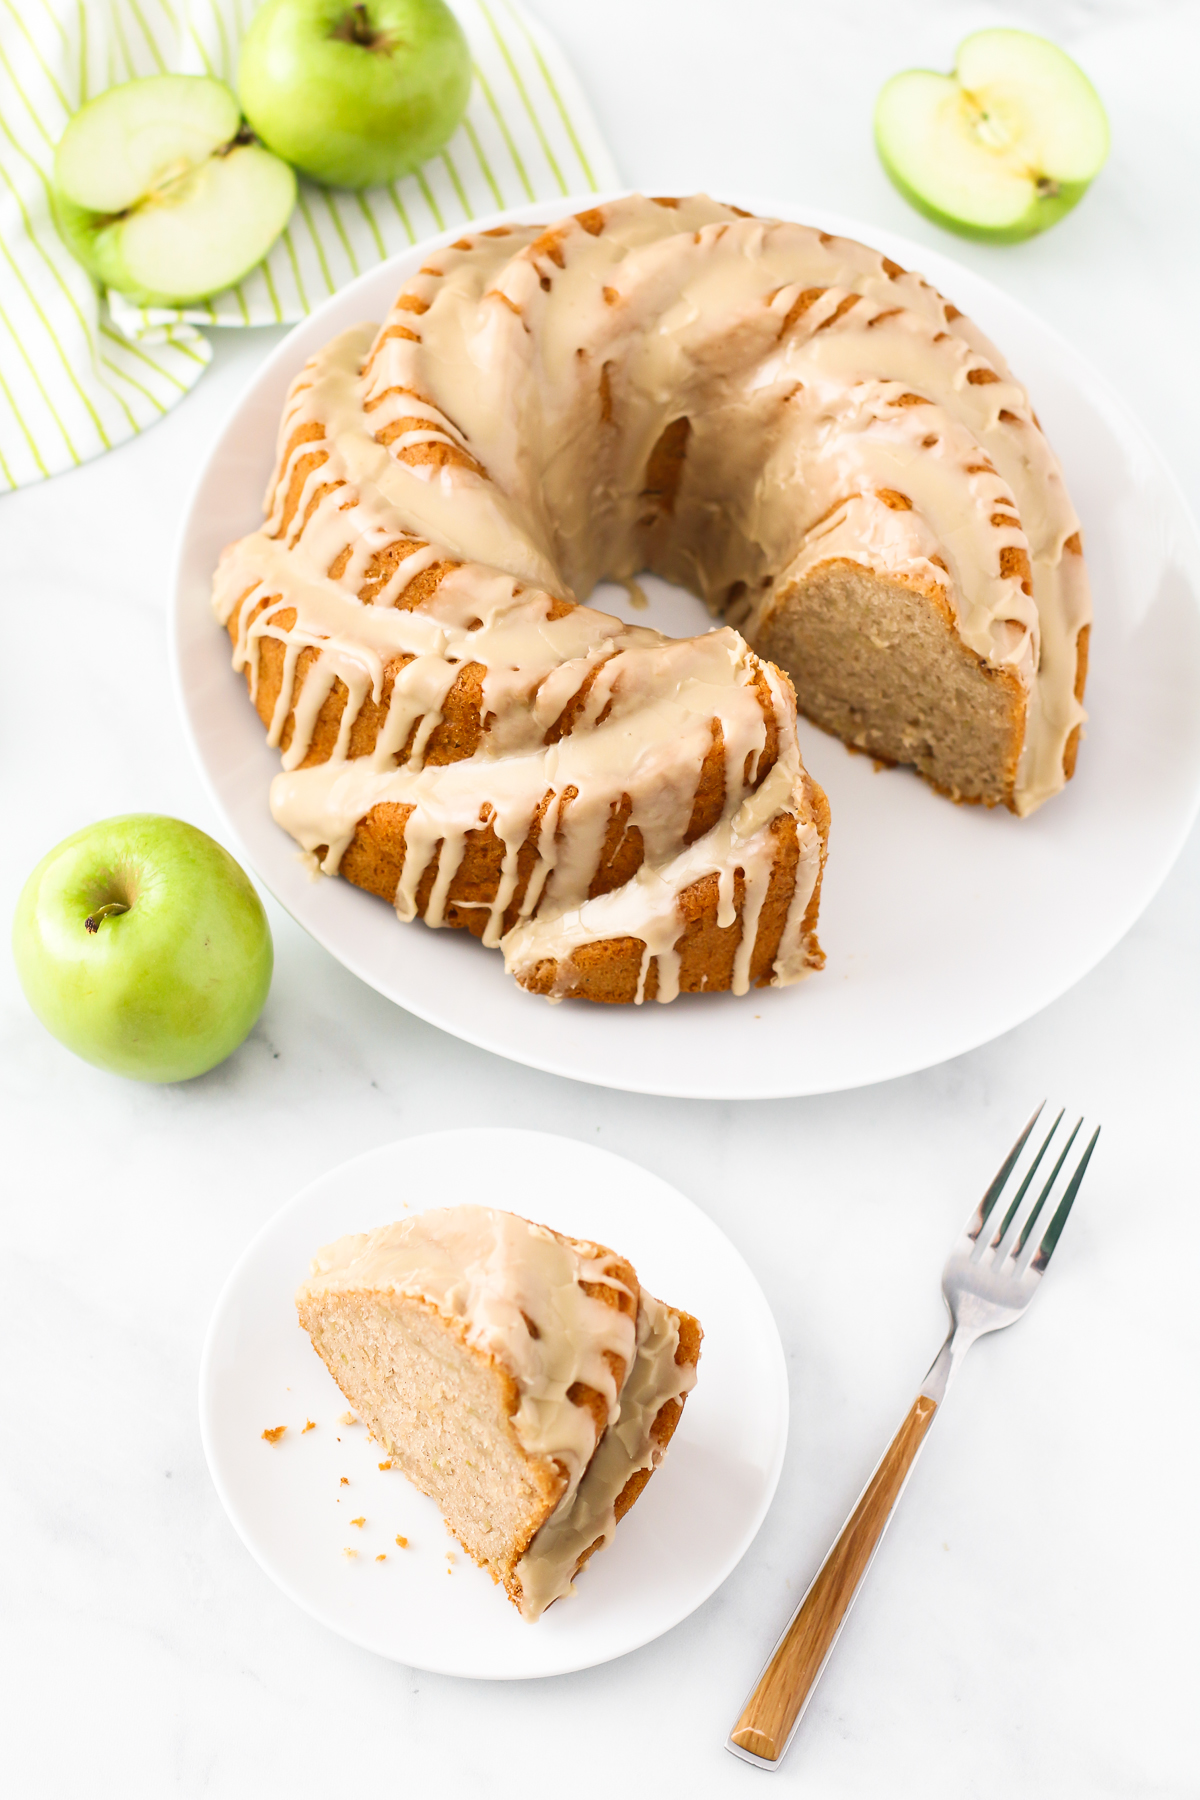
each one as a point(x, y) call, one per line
point(725, 399)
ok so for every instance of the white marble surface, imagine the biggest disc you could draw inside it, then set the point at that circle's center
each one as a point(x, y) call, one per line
point(1030, 1625)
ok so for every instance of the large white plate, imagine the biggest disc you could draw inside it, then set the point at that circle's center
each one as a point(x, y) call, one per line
point(690, 1528)
point(944, 925)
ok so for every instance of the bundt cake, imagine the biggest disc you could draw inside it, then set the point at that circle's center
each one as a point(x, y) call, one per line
point(787, 423)
point(524, 1380)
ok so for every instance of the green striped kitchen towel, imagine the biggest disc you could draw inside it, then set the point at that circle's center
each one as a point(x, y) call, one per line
point(80, 371)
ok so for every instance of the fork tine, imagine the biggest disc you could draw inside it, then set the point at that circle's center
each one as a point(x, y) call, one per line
point(1024, 1187)
point(979, 1217)
point(1018, 1222)
point(1054, 1230)
point(1031, 1221)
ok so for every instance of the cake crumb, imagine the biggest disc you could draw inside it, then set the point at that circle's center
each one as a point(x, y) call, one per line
point(348, 1418)
point(359, 1522)
point(345, 1481)
point(403, 1542)
point(273, 1433)
point(350, 1553)
point(382, 1557)
point(309, 1425)
point(387, 1464)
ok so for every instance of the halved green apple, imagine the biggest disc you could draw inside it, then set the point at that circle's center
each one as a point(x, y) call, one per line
point(162, 195)
point(1000, 149)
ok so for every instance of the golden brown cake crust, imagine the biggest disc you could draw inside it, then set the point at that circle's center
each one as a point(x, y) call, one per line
point(663, 1430)
point(609, 971)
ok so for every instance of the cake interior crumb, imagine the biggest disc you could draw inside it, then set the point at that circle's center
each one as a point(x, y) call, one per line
point(360, 1522)
point(273, 1433)
point(403, 1542)
point(309, 1425)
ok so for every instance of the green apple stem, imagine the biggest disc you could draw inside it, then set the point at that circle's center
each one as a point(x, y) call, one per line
point(109, 910)
point(355, 27)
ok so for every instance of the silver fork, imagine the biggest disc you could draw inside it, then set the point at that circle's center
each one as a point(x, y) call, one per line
point(989, 1280)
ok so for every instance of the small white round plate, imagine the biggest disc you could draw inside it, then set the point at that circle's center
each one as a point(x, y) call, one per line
point(694, 1523)
point(944, 925)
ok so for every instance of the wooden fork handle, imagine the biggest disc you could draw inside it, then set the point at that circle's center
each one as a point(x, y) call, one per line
point(781, 1693)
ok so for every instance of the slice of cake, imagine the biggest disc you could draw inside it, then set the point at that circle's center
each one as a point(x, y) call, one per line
point(524, 1380)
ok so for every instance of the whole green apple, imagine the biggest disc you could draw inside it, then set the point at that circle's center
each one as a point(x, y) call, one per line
point(142, 947)
point(352, 94)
